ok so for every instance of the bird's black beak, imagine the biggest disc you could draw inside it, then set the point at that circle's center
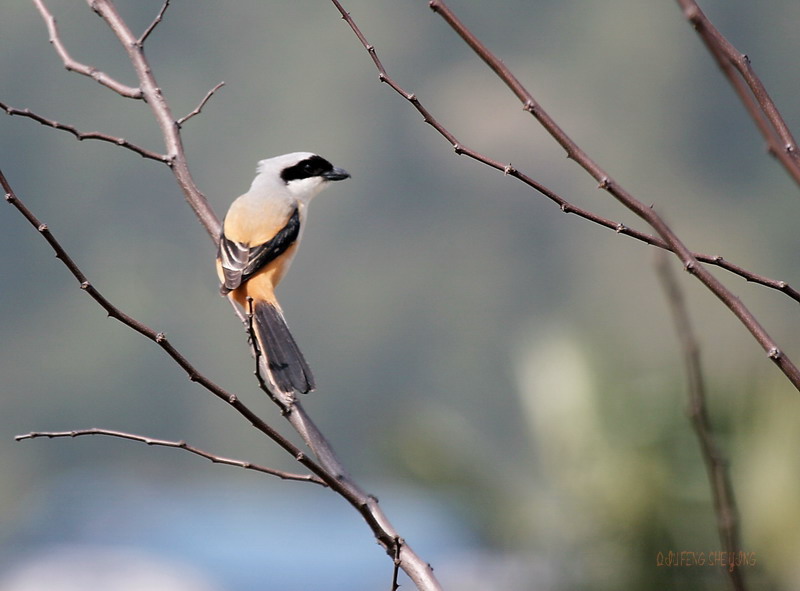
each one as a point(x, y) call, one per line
point(336, 174)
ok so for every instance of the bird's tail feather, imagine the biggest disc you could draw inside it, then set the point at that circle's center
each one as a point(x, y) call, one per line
point(287, 368)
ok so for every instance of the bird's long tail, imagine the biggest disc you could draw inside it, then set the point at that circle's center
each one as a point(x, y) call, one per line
point(287, 368)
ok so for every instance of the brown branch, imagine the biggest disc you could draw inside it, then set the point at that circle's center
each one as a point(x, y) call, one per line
point(736, 67)
point(563, 204)
point(157, 337)
point(75, 66)
point(366, 505)
point(690, 262)
point(85, 135)
point(716, 465)
point(199, 108)
point(154, 24)
point(169, 128)
point(216, 459)
point(417, 569)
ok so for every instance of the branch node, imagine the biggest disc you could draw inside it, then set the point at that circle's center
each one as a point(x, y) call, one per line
point(161, 337)
point(620, 228)
point(689, 266)
point(85, 285)
point(774, 353)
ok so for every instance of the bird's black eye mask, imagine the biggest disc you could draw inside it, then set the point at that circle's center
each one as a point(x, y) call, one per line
point(310, 167)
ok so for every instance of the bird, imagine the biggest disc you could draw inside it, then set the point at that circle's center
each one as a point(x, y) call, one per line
point(260, 235)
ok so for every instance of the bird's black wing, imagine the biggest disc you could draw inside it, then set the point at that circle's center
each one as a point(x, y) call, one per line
point(240, 262)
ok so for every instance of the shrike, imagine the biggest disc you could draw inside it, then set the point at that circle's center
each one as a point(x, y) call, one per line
point(260, 235)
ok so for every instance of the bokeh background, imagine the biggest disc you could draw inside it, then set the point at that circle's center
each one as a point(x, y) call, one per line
point(503, 377)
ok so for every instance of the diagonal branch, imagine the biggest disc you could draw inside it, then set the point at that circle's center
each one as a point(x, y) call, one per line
point(748, 86)
point(75, 66)
point(85, 135)
point(716, 464)
point(366, 505)
point(216, 459)
point(667, 237)
point(565, 206)
point(648, 214)
point(159, 338)
point(154, 97)
point(199, 108)
point(154, 24)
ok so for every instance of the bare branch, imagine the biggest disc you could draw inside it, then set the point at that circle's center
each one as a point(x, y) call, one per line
point(157, 337)
point(176, 444)
point(563, 204)
point(154, 24)
point(647, 213)
point(366, 505)
point(169, 128)
point(716, 464)
point(748, 86)
point(88, 135)
point(199, 107)
point(75, 66)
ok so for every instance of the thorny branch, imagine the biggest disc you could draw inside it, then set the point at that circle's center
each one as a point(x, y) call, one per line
point(216, 459)
point(716, 465)
point(668, 238)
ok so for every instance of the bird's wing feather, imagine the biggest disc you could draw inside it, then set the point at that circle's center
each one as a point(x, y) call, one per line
point(239, 261)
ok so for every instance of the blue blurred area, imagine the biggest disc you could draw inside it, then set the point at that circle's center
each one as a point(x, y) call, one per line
point(288, 537)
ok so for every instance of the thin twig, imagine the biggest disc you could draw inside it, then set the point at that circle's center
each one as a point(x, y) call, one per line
point(417, 569)
point(690, 263)
point(716, 465)
point(154, 24)
point(178, 445)
point(563, 204)
point(748, 86)
point(157, 337)
point(158, 104)
point(85, 135)
point(366, 505)
point(75, 66)
point(198, 109)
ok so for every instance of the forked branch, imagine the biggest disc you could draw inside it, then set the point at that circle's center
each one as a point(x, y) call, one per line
point(366, 505)
point(748, 86)
point(667, 237)
point(690, 263)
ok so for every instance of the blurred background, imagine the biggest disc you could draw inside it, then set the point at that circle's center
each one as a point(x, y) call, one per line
point(503, 377)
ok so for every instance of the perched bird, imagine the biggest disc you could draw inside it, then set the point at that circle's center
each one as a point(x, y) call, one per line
point(260, 235)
